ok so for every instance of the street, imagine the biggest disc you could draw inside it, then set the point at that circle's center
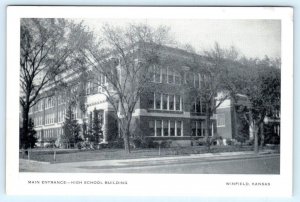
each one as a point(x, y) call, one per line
point(193, 164)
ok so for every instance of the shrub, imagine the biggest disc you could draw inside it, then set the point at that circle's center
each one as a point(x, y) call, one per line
point(118, 143)
point(149, 143)
point(249, 142)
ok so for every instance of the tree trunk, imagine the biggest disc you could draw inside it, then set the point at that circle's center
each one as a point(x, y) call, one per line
point(262, 134)
point(235, 129)
point(207, 130)
point(255, 138)
point(254, 127)
point(126, 142)
point(24, 135)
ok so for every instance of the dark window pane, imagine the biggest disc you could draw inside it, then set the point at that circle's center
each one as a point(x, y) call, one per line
point(165, 101)
point(172, 128)
point(166, 128)
point(193, 128)
point(171, 102)
point(157, 101)
point(151, 128)
point(198, 128)
point(151, 101)
point(158, 128)
point(198, 107)
point(178, 128)
point(178, 97)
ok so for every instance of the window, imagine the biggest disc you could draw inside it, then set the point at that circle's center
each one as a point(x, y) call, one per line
point(194, 128)
point(220, 120)
point(170, 76)
point(158, 128)
point(151, 101)
point(165, 101)
point(197, 128)
point(165, 75)
point(151, 128)
point(166, 128)
point(155, 74)
point(157, 101)
point(198, 106)
point(178, 100)
point(178, 128)
point(177, 77)
point(172, 128)
point(171, 102)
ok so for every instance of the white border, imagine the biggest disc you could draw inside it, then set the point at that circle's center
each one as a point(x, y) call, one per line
point(149, 184)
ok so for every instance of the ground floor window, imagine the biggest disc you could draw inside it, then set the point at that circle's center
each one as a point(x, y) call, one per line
point(197, 128)
point(165, 128)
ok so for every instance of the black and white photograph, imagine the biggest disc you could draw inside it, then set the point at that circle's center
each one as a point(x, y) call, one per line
point(150, 95)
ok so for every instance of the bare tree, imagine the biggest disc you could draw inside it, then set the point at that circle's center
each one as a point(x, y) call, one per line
point(126, 64)
point(45, 49)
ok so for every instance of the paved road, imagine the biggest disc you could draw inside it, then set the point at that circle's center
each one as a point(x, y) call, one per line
point(196, 164)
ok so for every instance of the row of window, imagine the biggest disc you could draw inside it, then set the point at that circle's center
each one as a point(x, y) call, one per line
point(61, 115)
point(49, 118)
point(38, 121)
point(101, 81)
point(49, 133)
point(49, 102)
point(162, 101)
point(165, 128)
point(171, 76)
point(165, 75)
point(198, 128)
point(198, 106)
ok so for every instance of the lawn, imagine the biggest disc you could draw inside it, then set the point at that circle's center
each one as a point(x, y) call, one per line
point(75, 155)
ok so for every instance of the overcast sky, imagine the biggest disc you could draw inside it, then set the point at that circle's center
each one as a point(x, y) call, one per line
point(253, 38)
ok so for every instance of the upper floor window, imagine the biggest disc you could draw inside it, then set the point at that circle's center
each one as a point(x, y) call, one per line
point(198, 106)
point(49, 102)
point(162, 101)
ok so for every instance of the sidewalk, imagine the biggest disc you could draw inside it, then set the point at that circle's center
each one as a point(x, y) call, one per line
point(86, 166)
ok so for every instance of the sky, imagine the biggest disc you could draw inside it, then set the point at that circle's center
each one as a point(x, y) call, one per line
point(253, 38)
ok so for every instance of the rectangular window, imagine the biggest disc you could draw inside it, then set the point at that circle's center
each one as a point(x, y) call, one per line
point(178, 128)
point(172, 128)
point(199, 127)
point(166, 127)
point(178, 100)
point(203, 107)
point(151, 101)
point(171, 102)
point(158, 128)
point(194, 128)
point(198, 106)
point(170, 76)
point(220, 120)
point(177, 77)
point(157, 75)
point(157, 101)
point(165, 75)
point(165, 101)
point(151, 128)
